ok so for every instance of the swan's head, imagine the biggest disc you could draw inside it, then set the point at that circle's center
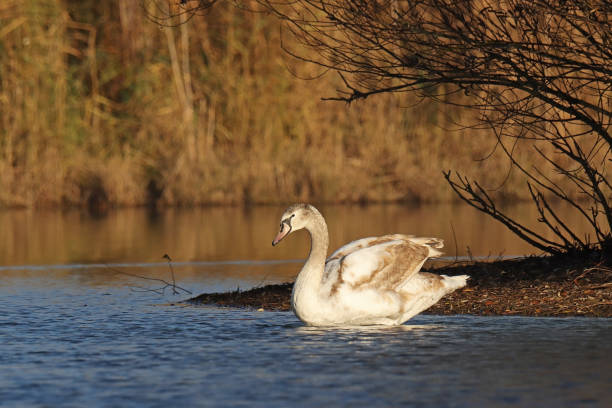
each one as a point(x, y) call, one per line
point(295, 218)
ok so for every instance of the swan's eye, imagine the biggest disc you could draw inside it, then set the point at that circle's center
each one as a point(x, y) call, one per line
point(287, 221)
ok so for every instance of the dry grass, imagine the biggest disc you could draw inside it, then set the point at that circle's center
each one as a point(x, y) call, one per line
point(98, 104)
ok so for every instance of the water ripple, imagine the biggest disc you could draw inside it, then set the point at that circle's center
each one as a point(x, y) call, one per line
point(65, 345)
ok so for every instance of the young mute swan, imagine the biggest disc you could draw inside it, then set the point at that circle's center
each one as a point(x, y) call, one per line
point(373, 280)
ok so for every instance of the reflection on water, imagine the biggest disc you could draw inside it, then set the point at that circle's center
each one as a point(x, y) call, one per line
point(362, 330)
point(66, 343)
point(197, 278)
point(220, 234)
point(230, 247)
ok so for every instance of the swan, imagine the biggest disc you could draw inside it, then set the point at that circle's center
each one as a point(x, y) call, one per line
point(370, 281)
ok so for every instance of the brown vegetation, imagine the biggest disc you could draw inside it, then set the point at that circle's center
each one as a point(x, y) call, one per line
point(100, 106)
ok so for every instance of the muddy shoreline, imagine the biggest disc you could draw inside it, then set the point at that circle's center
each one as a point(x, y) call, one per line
point(533, 286)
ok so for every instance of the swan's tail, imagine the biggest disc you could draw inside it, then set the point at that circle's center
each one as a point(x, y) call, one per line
point(455, 282)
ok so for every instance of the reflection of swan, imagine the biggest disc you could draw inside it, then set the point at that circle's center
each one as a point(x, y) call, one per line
point(369, 331)
point(372, 280)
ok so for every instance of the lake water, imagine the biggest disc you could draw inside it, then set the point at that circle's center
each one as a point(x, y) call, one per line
point(76, 334)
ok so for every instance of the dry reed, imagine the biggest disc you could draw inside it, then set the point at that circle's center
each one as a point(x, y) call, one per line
point(100, 106)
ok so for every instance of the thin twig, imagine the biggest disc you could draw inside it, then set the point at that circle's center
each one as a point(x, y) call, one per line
point(159, 290)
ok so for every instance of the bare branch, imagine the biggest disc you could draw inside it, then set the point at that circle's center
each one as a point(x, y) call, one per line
point(537, 73)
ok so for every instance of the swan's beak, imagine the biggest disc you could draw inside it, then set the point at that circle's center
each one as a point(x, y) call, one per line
point(285, 230)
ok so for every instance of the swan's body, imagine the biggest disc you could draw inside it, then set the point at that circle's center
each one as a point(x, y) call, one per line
point(372, 280)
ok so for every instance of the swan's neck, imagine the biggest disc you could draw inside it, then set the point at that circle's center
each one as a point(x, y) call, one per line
point(309, 279)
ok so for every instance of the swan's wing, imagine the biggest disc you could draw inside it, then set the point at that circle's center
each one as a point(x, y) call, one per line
point(365, 243)
point(379, 262)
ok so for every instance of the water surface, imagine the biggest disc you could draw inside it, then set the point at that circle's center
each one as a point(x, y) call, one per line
point(73, 333)
point(66, 343)
point(29, 237)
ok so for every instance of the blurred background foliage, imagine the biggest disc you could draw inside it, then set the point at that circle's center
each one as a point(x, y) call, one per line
point(100, 106)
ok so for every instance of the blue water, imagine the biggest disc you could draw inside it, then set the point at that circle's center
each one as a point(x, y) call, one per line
point(69, 339)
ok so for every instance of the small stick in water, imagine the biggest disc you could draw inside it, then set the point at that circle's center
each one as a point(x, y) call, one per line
point(167, 257)
point(159, 290)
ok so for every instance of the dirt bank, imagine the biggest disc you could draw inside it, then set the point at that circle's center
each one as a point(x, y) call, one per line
point(534, 286)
